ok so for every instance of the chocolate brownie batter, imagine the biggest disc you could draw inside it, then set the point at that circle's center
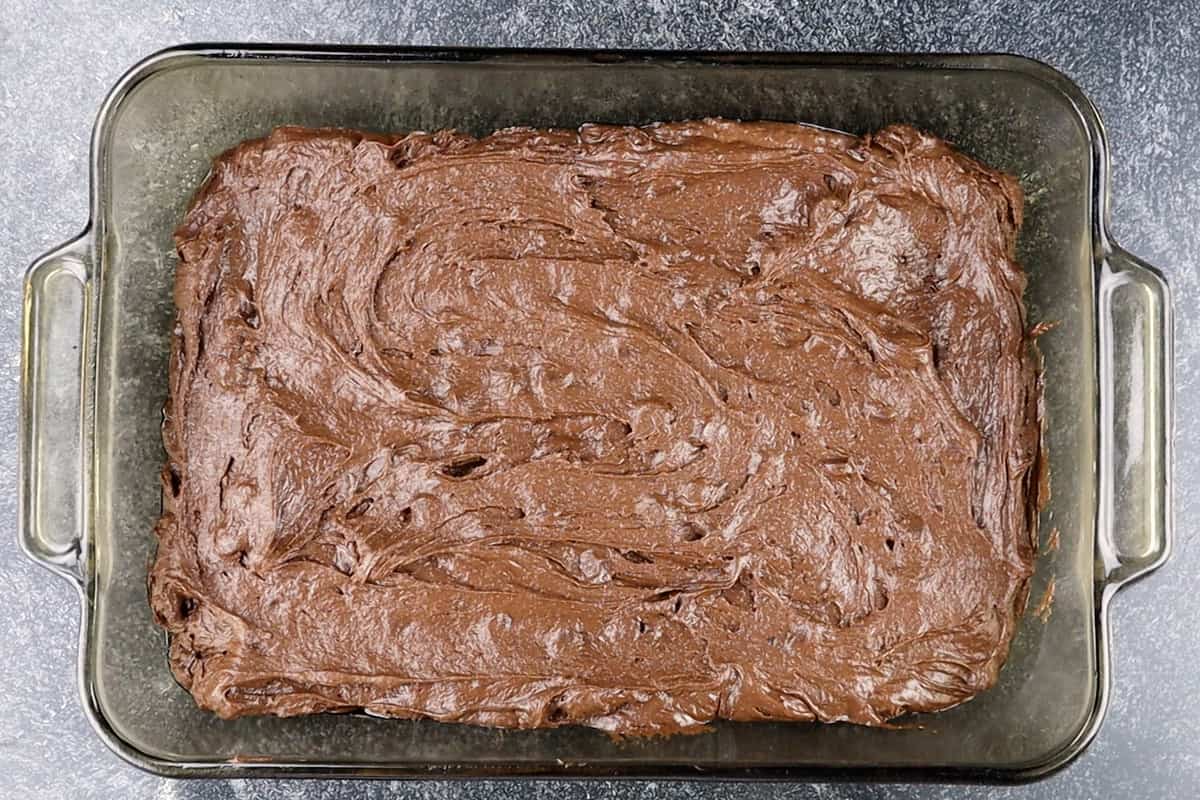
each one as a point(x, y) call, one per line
point(634, 428)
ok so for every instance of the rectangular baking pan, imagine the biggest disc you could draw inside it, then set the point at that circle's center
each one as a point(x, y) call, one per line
point(98, 315)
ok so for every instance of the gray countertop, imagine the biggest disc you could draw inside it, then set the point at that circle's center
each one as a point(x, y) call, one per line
point(1135, 58)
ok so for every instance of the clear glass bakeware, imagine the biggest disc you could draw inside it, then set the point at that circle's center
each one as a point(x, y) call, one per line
point(98, 315)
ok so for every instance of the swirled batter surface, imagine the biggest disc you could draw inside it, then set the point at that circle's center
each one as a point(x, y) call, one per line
point(635, 428)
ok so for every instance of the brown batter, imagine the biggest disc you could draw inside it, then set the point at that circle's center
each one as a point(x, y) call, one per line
point(634, 428)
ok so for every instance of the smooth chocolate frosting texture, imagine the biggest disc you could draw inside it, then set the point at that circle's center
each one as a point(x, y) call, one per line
point(635, 428)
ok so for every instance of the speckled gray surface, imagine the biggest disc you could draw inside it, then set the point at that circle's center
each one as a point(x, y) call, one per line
point(1135, 59)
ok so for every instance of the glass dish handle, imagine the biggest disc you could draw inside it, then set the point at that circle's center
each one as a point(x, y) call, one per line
point(1136, 394)
point(53, 408)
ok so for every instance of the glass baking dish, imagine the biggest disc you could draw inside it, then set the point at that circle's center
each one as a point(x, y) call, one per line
point(98, 316)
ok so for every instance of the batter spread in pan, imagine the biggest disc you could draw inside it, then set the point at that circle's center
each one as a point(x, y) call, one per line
point(635, 428)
